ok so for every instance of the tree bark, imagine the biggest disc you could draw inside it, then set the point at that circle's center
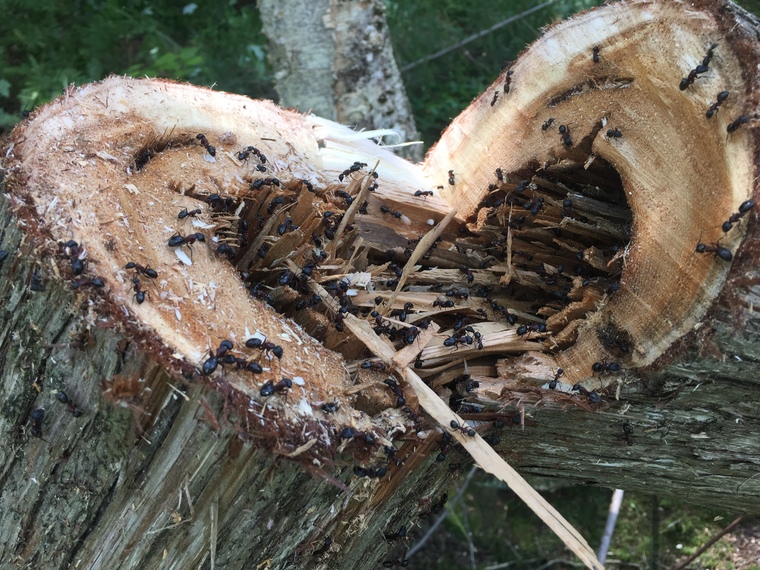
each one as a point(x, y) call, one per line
point(335, 59)
point(121, 452)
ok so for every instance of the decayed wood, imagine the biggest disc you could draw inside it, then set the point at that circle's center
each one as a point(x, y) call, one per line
point(167, 466)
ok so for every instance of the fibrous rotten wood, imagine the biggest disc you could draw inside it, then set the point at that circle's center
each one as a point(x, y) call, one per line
point(569, 248)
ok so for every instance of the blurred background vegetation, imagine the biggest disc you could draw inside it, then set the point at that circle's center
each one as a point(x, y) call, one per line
point(47, 45)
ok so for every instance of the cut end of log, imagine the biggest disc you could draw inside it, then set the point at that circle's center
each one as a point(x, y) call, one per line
point(636, 154)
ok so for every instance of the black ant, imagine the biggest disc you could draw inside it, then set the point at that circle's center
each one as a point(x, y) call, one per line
point(499, 175)
point(147, 271)
point(96, 282)
point(464, 428)
point(330, 407)
point(603, 366)
point(722, 96)
point(456, 339)
point(139, 293)
point(614, 133)
point(346, 196)
point(495, 97)
point(547, 124)
point(373, 365)
point(270, 387)
point(733, 125)
point(211, 364)
point(702, 68)
point(286, 226)
point(419, 193)
point(324, 548)
point(627, 433)
point(565, 132)
point(263, 344)
point(507, 81)
point(64, 399)
point(535, 327)
point(595, 52)
point(184, 213)
point(553, 383)
point(400, 533)
point(592, 396)
point(74, 252)
point(468, 274)
point(178, 240)
point(396, 389)
point(451, 178)
point(719, 251)
point(744, 207)
point(355, 167)
point(37, 415)
point(204, 141)
point(443, 304)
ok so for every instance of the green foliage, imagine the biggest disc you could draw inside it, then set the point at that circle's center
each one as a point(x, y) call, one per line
point(441, 88)
point(48, 44)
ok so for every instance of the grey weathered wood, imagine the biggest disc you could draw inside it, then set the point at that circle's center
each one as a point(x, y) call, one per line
point(335, 59)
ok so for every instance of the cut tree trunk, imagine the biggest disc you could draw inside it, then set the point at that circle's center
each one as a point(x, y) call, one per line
point(136, 437)
point(335, 59)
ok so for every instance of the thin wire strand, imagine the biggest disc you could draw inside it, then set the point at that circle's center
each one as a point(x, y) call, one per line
point(476, 36)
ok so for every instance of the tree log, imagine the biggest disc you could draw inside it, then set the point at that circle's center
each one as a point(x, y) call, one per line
point(335, 59)
point(138, 437)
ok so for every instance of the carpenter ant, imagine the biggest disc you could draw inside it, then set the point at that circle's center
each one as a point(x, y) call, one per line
point(330, 407)
point(508, 81)
point(243, 364)
point(451, 178)
point(722, 96)
point(419, 193)
point(274, 203)
point(177, 240)
point(324, 548)
point(139, 293)
point(495, 97)
point(463, 428)
point(267, 389)
point(733, 125)
point(614, 133)
point(592, 396)
point(96, 282)
point(468, 274)
point(262, 344)
point(226, 250)
point(400, 533)
point(603, 366)
point(74, 252)
point(286, 226)
point(627, 433)
point(595, 52)
point(64, 399)
point(373, 365)
point(204, 141)
point(443, 304)
point(184, 213)
point(553, 383)
point(719, 251)
point(534, 327)
point(346, 196)
point(565, 132)
point(211, 364)
point(547, 124)
point(37, 415)
point(147, 271)
point(744, 207)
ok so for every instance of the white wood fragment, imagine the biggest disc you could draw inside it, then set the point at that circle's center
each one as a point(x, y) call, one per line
point(183, 257)
point(132, 188)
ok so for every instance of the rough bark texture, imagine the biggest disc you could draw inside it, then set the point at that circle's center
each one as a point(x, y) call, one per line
point(167, 468)
point(335, 59)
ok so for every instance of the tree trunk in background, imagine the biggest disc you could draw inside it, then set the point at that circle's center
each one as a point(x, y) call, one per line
point(146, 462)
point(335, 59)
